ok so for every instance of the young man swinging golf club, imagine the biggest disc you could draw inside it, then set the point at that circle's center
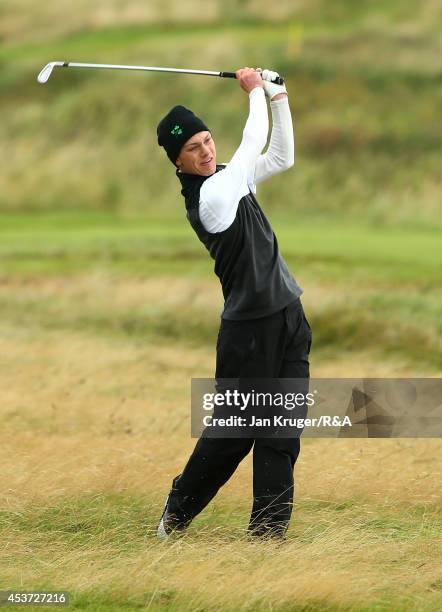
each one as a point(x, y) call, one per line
point(263, 331)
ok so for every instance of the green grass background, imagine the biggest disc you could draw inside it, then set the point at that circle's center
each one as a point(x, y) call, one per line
point(109, 305)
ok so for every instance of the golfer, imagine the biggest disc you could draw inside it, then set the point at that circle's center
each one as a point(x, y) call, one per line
point(263, 331)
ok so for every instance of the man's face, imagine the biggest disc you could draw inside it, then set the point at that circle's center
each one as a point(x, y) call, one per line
point(198, 155)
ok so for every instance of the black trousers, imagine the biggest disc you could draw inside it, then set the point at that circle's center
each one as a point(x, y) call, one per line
point(276, 346)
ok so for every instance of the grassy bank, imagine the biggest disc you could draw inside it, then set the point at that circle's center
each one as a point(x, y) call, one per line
point(365, 95)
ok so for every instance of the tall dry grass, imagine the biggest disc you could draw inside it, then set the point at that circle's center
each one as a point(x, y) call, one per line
point(94, 427)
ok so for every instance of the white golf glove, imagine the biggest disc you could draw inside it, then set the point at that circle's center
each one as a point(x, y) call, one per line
point(271, 89)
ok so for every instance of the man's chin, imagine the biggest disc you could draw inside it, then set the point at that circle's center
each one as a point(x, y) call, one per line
point(208, 169)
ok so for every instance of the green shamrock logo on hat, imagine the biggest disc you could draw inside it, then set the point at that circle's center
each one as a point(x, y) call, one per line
point(176, 131)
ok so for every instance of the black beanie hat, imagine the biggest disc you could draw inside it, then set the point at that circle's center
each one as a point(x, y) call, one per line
point(176, 128)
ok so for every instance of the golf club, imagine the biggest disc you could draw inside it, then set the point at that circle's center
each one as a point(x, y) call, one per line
point(46, 72)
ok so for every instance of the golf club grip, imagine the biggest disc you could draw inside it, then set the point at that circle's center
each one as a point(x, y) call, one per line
point(232, 75)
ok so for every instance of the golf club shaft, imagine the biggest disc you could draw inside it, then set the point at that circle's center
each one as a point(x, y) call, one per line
point(47, 70)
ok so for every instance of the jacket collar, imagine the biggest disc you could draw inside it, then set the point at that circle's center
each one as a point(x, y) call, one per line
point(189, 182)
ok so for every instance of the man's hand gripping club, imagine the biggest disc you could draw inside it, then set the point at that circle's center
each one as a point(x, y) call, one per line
point(249, 78)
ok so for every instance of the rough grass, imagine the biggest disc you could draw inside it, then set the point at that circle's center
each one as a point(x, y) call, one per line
point(87, 456)
point(94, 430)
point(207, 569)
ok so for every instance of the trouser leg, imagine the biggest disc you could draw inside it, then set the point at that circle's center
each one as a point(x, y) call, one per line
point(214, 460)
point(274, 458)
point(210, 466)
point(273, 485)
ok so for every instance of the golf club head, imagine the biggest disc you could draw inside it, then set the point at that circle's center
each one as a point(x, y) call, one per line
point(46, 72)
